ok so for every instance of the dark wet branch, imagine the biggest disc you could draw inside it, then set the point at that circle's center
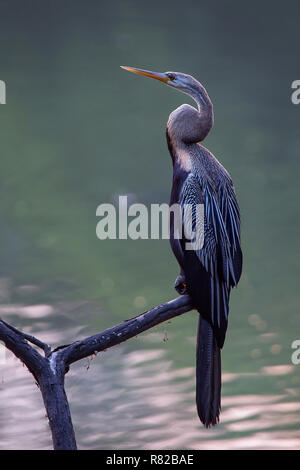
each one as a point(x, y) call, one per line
point(45, 347)
point(49, 371)
point(16, 342)
point(125, 330)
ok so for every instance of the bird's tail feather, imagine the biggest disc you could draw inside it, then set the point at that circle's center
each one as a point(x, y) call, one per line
point(208, 375)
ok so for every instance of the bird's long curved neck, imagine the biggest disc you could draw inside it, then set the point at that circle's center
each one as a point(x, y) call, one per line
point(188, 125)
point(205, 109)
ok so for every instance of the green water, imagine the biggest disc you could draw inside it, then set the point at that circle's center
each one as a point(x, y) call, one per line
point(78, 131)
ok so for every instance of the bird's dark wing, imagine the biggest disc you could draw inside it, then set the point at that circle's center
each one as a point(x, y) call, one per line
point(230, 214)
point(213, 268)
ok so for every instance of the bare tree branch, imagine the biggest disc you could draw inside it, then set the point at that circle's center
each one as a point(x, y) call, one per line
point(15, 341)
point(46, 348)
point(50, 381)
point(49, 371)
point(124, 331)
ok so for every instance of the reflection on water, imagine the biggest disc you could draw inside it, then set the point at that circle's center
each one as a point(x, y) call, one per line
point(132, 397)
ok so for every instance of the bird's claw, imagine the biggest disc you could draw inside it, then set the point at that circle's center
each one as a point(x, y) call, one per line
point(180, 285)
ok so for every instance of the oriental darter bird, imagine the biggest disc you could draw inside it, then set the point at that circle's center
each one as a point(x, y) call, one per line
point(208, 273)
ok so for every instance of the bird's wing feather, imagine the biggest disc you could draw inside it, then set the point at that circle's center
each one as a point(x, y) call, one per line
point(215, 267)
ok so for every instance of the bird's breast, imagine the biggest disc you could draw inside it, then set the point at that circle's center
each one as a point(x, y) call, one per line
point(183, 159)
point(179, 177)
point(179, 152)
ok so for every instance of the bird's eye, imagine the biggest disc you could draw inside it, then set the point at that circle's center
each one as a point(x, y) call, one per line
point(171, 76)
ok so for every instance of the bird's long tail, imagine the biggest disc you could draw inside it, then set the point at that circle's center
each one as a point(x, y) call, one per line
point(208, 375)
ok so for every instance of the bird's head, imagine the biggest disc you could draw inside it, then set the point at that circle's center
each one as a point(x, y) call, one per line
point(180, 81)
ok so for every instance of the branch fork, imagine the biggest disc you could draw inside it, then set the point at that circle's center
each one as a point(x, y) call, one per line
point(50, 368)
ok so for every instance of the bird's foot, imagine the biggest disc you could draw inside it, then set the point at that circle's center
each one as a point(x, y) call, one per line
point(180, 284)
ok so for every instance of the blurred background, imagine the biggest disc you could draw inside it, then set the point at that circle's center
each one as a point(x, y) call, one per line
point(76, 132)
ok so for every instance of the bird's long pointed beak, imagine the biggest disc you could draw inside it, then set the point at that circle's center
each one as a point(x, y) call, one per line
point(146, 73)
